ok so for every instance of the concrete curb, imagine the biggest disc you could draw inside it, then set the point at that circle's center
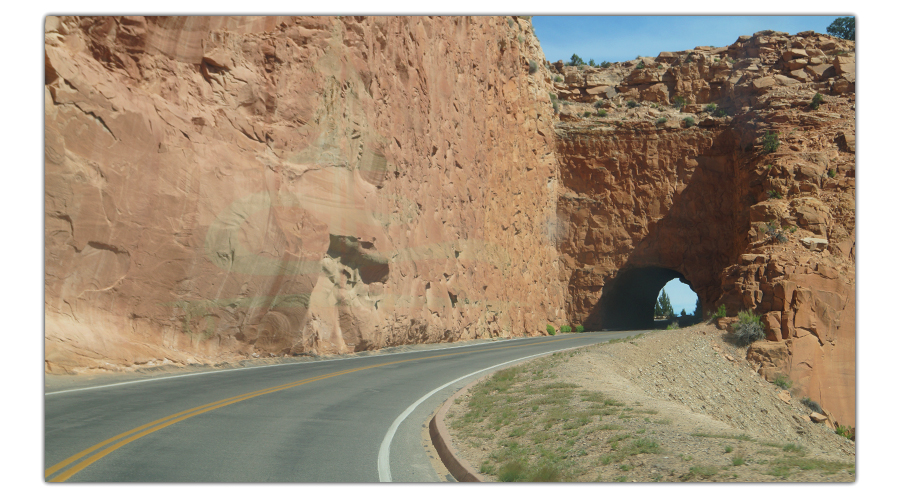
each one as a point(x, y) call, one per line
point(440, 438)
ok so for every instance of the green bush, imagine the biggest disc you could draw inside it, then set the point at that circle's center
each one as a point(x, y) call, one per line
point(832, 173)
point(719, 313)
point(678, 102)
point(774, 194)
point(689, 121)
point(816, 100)
point(576, 61)
point(749, 328)
point(710, 108)
point(782, 381)
point(632, 104)
point(532, 67)
point(771, 142)
point(551, 330)
point(598, 104)
point(640, 65)
point(579, 328)
point(586, 114)
point(719, 112)
point(661, 120)
point(847, 432)
point(605, 64)
point(565, 329)
point(812, 405)
point(601, 113)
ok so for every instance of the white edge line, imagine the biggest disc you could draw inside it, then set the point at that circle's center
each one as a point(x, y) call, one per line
point(155, 379)
point(384, 465)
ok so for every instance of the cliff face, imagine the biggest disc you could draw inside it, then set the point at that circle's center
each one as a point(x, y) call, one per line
point(218, 188)
point(229, 187)
point(647, 197)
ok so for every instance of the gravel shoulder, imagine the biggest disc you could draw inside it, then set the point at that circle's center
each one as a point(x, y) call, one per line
point(668, 406)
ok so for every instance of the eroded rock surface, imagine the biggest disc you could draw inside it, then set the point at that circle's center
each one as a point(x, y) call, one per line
point(228, 187)
point(648, 196)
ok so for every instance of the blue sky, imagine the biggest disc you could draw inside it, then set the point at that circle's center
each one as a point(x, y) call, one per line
point(680, 295)
point(622, 38)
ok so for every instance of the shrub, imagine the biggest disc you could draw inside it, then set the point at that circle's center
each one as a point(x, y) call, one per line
point(511, 471)
point(598, 103)
point(640, 65)
point(774, 194)
point(556, 107)
point(689, 122)
point(565, 329)
point(632, 104)
point(661, 120)
point(711, 108)
point(678, 102)
point(557, 78)
point(551, 330)
point(605, 64)
point(771, 142)
point(847, 432)
point(587, 114)
point(576, 61)
point(553, 97)
point(719, 112)
point(532, 67)
point(601, 113)
point(832, 173)
point(816, 100)
point(748, 328)
point(579, 328)
point(719, 313)
point(812, 405)
point(782, 381)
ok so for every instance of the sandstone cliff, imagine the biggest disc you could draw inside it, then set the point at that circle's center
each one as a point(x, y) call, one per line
point(648, 197)
point(228, 187)
point(220, 188)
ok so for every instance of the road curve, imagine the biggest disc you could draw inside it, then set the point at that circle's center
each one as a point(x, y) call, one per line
point(354, 419)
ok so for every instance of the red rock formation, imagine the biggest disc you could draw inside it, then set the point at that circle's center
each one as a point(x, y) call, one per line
point(227, 187)
point(648, 198)
point(222, 187)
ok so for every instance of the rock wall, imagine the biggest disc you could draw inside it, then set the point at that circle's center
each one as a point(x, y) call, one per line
point(218, 188)
point(651, 191)
point(228, 187)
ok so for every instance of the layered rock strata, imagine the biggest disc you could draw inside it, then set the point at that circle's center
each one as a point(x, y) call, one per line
point(218, 188)
point(746, 192)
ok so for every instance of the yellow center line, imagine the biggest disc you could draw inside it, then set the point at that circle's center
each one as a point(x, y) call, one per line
point(139, 432)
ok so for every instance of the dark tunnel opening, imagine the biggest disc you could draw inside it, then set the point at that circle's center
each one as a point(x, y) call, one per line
point(628, 300)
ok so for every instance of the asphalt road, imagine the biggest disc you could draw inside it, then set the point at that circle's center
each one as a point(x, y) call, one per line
point(354, 419)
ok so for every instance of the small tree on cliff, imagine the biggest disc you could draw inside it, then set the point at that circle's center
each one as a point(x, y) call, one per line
point(576, 61)
point(843, 27)
point(698, 309)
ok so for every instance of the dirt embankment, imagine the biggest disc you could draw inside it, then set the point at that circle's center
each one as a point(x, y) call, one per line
point(666, 406)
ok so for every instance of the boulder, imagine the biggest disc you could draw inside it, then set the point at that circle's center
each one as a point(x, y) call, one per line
point(815, 244)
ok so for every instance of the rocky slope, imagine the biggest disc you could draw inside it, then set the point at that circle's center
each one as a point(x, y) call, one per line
point(669, 406)
point(227, 187)
point(647, 197)
point(230, 187)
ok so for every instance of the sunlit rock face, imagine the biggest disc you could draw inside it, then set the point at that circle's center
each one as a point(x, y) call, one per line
point(646, 196)
point(220, 187)
point(227, 187)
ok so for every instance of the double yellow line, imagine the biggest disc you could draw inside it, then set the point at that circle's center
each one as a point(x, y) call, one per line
point(103, 448)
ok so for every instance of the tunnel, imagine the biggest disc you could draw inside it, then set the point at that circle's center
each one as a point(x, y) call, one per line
point(628, 300)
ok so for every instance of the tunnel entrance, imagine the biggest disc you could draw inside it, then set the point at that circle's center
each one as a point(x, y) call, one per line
point(628, 300)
